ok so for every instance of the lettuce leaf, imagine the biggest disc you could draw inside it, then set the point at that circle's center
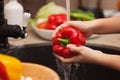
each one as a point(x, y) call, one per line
point(48, 9)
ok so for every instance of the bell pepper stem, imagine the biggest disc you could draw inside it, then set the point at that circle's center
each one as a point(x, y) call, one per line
point(64, 41)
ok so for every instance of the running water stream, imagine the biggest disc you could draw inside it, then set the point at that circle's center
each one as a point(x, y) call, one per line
point(68, 9)
point(66, 71)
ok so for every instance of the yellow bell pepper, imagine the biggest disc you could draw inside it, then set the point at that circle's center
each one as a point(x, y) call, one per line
point(13, 66)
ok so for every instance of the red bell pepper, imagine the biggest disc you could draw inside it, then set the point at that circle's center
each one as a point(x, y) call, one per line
point(67, 35)
point(55, 20)
point(51, 26)
point(3, 73)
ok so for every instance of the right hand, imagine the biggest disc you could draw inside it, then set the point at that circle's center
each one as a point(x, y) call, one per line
point(83, 26)
point(84, 55)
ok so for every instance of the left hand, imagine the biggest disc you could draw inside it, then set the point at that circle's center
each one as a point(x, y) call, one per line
point(83, 26)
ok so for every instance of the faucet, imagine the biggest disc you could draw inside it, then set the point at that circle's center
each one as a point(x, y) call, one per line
point(7, 30)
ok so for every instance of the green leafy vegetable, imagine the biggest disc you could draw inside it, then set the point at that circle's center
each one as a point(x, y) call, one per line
point(32, 22)
point(48, 9)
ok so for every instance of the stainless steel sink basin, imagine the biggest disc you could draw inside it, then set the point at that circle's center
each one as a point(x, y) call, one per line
point(43, 54)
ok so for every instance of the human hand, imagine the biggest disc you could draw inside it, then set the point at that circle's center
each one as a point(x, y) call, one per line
point(85, 55)
point(83, 26)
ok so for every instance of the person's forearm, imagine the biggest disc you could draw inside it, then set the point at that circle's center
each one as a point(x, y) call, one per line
point(107, 25)
point(109, 60)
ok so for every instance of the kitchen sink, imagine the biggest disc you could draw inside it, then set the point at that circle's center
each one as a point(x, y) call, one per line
point(43, 54)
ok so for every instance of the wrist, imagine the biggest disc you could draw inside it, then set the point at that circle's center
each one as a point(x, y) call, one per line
point(96, 26)
point(96, 57)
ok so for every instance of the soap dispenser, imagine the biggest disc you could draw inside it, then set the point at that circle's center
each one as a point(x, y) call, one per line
point(13, 11)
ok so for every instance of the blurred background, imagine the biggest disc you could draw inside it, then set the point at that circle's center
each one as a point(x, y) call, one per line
point(34, 5)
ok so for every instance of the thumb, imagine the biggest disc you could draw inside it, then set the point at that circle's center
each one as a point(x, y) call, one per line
point(72, 48)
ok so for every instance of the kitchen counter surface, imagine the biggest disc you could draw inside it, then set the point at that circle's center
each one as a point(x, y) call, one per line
point(110, 39)
point(33, 38)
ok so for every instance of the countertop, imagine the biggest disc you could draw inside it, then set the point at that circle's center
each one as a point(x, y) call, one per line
point(109, 39)
point(33, 38)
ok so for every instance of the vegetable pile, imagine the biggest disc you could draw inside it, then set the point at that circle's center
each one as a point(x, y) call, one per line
point(44, 12)
point(51, 15)
point(67, 35)
point(54, 20)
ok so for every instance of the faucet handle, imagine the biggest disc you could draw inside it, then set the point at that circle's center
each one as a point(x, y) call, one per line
point(23, 34)
point(26, 17)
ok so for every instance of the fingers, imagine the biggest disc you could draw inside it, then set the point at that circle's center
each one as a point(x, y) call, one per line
point(59, 28)
point(73, 23)
point(81, 50)
point(74, 48)
point(76, 24)
point(68, 60)
point(63, 25)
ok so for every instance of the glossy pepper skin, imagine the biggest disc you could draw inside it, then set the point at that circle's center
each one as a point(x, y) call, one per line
point(3, 73)
point(67, 35)
point(13, 67)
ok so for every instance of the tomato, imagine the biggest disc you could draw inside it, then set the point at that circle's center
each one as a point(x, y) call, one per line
point(42, 25)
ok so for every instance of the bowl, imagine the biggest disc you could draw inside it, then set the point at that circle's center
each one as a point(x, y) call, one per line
point(39, 72)
point(43, 33)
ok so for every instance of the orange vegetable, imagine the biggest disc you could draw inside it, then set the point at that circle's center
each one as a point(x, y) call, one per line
point(42, 25)
point(13, 67)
